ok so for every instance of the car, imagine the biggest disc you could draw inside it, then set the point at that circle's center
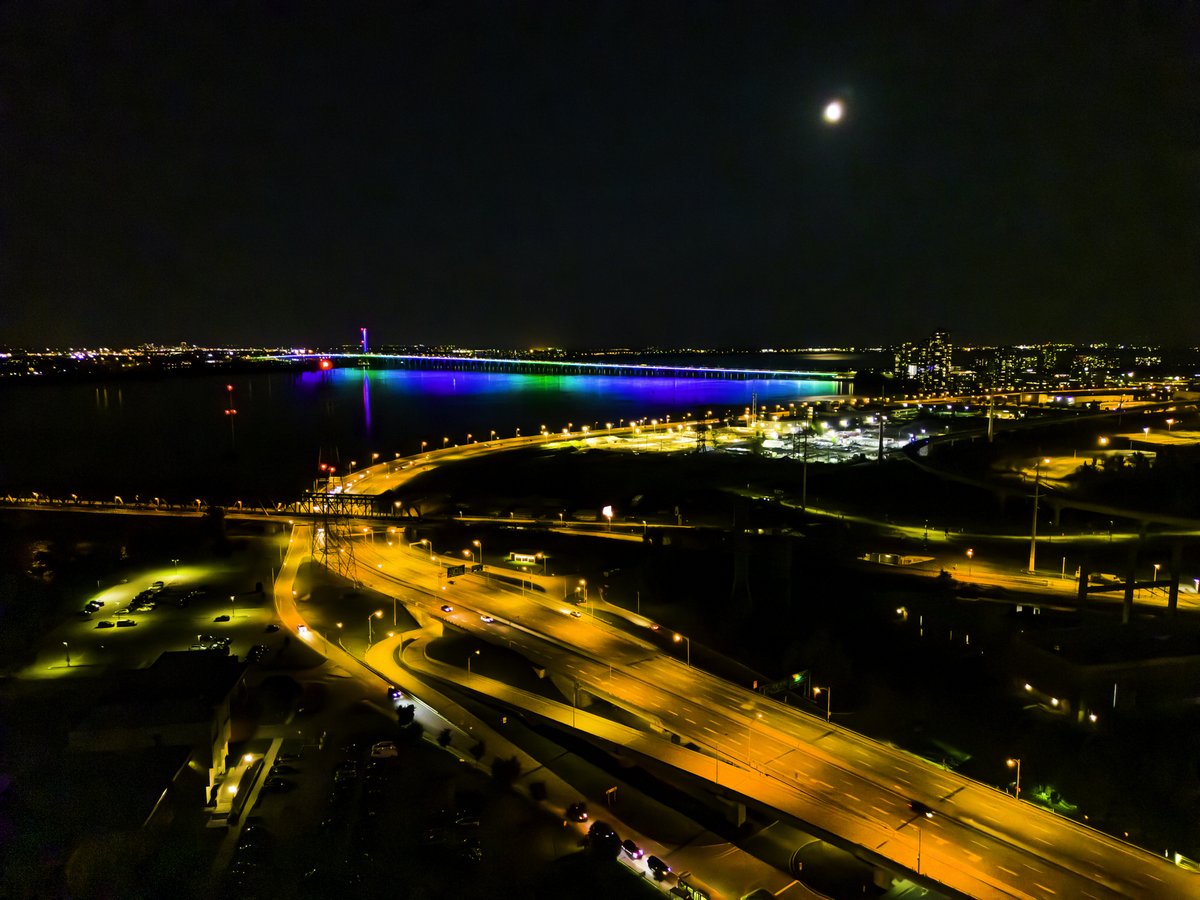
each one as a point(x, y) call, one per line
point(657, 867)
point(272, 628)
point(394, 693)
point(576, 614)
point(920, 808)
point(446, 607)
point(632, 850)
point(221, 618)
point(601, 832)
point(125, 623)
point(577, 812)
point(486, 619)
point(384, 750)
point(106, 623)
point(157, 586)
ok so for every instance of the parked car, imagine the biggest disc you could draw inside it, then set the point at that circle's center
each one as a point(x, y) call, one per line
point(384, 750)
point(125, 623)
point(577, 812)
point(221, 618)
point(657, 867)
point(104, 623)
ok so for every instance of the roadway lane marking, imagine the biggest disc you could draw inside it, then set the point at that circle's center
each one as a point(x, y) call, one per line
point(852, 797)
point(1044, 888)
point(1009, 871)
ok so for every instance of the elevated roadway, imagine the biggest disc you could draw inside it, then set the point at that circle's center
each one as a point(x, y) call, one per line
point(980, 842)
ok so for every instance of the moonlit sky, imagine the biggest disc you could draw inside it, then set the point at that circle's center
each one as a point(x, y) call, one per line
point(588, 174)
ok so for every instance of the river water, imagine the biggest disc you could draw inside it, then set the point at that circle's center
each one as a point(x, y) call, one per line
point(175, 438)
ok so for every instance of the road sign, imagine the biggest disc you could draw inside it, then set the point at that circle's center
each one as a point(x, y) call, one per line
point(785, 684)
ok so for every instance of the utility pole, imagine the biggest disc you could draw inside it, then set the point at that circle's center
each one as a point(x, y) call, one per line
point(1037, 476)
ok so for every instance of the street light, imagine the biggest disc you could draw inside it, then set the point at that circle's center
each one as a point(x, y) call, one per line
point(607, 512)
point(67, 648)
point(828, 699)
point(688, 645)
point(749, 732)
point(970, 557)
point(232, 607)
point(479, 544)
point(378, 614)
point(1016, 764)
point(476, 653)
point(1037, 477)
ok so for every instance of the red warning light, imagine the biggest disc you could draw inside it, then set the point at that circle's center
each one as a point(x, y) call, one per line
point(326, 364)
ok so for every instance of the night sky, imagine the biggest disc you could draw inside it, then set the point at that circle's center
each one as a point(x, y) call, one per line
point(598, 174)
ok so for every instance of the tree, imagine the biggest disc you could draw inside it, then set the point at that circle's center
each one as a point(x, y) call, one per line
point(443, 738)
point(405, 715)
point(477, 750)
point(506, 771)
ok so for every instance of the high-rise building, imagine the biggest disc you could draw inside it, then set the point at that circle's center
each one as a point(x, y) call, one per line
point(926, 364)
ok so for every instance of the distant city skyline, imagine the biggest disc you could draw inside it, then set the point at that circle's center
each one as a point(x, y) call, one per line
point(599, 175)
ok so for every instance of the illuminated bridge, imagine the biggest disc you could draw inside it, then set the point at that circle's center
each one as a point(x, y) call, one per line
point(555, 367)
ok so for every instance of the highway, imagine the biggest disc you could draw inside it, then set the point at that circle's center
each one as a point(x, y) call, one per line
point(980, 842)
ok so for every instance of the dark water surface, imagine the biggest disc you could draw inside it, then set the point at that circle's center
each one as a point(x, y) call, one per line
point(174, 439)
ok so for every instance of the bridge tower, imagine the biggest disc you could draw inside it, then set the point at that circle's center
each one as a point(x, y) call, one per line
point(332, 538)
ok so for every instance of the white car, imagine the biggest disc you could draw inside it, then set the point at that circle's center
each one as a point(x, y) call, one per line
point(384, 750)
point(486, 619)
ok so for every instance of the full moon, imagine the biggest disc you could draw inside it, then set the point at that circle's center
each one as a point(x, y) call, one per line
point(834, 110)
